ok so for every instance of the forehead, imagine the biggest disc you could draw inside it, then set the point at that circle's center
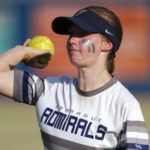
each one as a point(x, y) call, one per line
point(75, 28)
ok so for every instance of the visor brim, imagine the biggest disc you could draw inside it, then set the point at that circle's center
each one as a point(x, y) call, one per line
point(61, 25)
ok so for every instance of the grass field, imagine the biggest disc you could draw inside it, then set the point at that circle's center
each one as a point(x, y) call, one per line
point(19, 129)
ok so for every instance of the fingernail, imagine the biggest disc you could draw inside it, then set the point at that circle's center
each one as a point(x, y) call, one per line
point(51, 52)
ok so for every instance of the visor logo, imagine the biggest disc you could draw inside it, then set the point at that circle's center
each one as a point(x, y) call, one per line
point(108, 32)
point(80, 12)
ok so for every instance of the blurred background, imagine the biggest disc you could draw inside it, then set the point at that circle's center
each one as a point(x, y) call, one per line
point(22, 19)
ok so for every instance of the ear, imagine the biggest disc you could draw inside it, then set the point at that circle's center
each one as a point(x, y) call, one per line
point(107, 45)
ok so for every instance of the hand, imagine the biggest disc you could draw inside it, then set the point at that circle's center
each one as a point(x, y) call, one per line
point(32, 55)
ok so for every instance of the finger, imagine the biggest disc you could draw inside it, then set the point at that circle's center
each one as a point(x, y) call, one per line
point(35, 64)
point(45, 53)
point(41, 66)
point(51, 52)
point(26, 42)
point(38, 65)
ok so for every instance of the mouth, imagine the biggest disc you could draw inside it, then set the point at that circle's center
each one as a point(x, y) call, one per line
point(72, 50)
point(73, 53)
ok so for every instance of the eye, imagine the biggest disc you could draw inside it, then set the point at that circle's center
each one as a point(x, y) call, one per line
point(78, 34)
point(83, 33)
point(75, 31)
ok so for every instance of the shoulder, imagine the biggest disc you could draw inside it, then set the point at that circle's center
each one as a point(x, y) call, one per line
point(50, 79)
point(123, 93)
point(130, 106)
point(124, 98)
point(59, 82)
point(60, 79)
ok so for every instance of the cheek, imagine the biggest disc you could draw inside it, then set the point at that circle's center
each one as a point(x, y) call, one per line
point(88, 46)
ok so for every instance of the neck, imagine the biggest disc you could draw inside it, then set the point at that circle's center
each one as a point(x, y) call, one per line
point(91, 79)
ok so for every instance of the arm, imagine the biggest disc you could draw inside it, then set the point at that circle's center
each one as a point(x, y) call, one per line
point(11, 59)
point(134, 134)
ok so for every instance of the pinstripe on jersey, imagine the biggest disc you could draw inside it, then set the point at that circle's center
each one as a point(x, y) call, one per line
point(28, 90)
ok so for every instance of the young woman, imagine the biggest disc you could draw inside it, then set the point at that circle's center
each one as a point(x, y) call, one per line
point(92, 111)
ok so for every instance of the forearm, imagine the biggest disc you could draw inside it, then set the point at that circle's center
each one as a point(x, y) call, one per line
point(28, 55)
point(11, 58)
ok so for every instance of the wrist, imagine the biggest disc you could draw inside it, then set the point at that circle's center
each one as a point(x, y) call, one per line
point(21, 52)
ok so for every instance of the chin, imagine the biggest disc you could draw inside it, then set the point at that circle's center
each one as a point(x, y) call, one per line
point(74, 63)
point(77, 64)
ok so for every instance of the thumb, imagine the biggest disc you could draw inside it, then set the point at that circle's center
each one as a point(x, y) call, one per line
point(26, 42)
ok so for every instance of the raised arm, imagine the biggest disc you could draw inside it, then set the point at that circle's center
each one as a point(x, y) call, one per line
point(11, 59)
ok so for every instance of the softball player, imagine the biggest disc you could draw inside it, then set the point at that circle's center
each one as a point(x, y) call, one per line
point(92, 111)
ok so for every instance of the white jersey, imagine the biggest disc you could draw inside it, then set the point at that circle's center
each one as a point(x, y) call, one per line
point(71, 119)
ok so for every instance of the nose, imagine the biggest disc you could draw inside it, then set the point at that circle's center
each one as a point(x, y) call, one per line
point(73, 40)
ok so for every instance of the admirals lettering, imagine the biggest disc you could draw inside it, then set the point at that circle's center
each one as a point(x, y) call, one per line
point(72, 124)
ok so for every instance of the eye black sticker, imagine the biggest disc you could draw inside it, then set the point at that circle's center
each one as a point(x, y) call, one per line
point(90, 45)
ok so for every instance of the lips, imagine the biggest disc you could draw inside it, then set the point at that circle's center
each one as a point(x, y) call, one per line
point(72, 50)
point(73, 53)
